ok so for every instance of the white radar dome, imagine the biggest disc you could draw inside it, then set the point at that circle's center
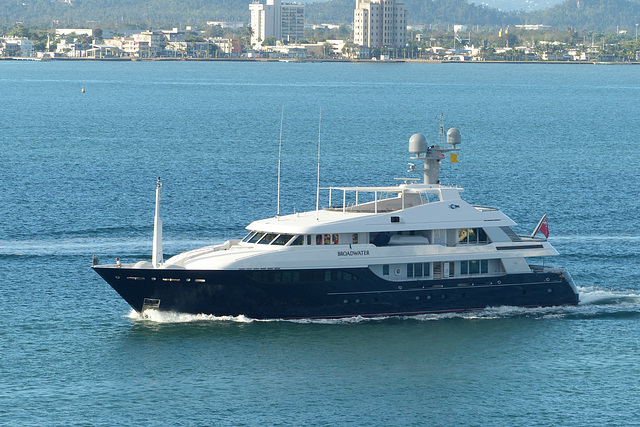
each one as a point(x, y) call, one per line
point(418, 143)
point(453, 136)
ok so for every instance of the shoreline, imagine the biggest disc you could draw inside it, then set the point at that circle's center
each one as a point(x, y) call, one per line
point(304, 60)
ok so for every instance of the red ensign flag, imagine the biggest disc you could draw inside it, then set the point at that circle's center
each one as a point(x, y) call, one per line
point(544, 228)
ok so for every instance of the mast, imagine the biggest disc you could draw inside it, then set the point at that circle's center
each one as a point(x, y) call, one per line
point(318, 176)
point(279, 153)
point(156, 256)
point(432, 155)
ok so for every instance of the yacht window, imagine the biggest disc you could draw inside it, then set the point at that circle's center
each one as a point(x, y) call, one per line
point(256, 237)
point(334, 239)
point(297, 241)
point(267, 238)
point(354, 238)
point(385, 269)
point(282, 239)
point(474, 267)
point(472, 235)
point(308, 239)
point(249, 236)
point(419, 269)
point(326, 239)
point(426, 269)
point(318, 239)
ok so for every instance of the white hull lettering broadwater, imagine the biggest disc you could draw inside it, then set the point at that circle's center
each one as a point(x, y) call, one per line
point(405, 249)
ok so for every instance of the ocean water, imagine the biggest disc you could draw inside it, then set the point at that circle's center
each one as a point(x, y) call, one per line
point(78, 171)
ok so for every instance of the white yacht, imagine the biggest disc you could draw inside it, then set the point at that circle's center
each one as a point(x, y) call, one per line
point(406, 249)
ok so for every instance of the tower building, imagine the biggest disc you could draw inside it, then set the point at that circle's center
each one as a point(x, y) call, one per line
point(380, 24)
point(284, 21)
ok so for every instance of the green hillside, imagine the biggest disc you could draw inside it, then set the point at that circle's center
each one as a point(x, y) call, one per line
point(123, 13)
point(578, 14)
point(589, 15)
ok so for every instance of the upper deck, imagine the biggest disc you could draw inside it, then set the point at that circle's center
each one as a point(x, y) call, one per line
point(395, 208)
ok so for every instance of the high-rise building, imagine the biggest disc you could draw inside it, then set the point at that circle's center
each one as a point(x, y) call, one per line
point(284, 21)
point(292, 21)
point(380, 24)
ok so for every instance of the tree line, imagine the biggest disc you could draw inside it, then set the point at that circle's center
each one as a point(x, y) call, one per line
point(134, 14)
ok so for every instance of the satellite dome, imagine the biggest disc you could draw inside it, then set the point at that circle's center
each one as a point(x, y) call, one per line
point(418, 143)
point(453, 136)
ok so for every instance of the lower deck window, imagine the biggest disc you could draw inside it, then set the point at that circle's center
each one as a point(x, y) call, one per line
point(419, 269)
point(474, 267)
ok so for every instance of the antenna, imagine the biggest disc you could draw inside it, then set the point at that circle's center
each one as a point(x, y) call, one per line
point(156, 256)
point(279, 152)
point(318, 179)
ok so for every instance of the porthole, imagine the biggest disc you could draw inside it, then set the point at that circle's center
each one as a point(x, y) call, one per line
point(499, 282)
point(357, 300)
point(400, 287)
point(428, 296)
point(549, 290)
point(346, 301)
point(398, 271)
point(418, 298)
point(153, 278)
point(444, 296)
point(547, 279)
point(118, 277)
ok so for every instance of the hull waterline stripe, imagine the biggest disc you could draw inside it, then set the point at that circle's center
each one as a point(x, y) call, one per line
point(432, 288)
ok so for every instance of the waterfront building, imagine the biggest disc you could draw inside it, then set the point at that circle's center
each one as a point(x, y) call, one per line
point(231, 48)
point(176, 48)
point(133, 46)
point(68, 47)
point(380, 24)
point(174, 35)
point(155, 40)
point(103, 51)
point(283, 21)
point(16, 46)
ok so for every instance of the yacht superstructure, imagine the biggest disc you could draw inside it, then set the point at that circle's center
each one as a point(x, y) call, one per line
point(405, 249)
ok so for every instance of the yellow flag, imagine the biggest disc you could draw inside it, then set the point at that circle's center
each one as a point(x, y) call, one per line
point(454, 158)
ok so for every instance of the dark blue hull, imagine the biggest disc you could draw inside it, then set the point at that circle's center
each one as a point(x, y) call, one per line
point(292, 294)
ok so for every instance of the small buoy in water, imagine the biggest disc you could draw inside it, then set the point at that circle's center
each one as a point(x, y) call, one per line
point(82, 90)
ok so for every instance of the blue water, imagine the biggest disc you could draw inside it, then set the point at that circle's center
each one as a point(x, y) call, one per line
point(78, 171)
